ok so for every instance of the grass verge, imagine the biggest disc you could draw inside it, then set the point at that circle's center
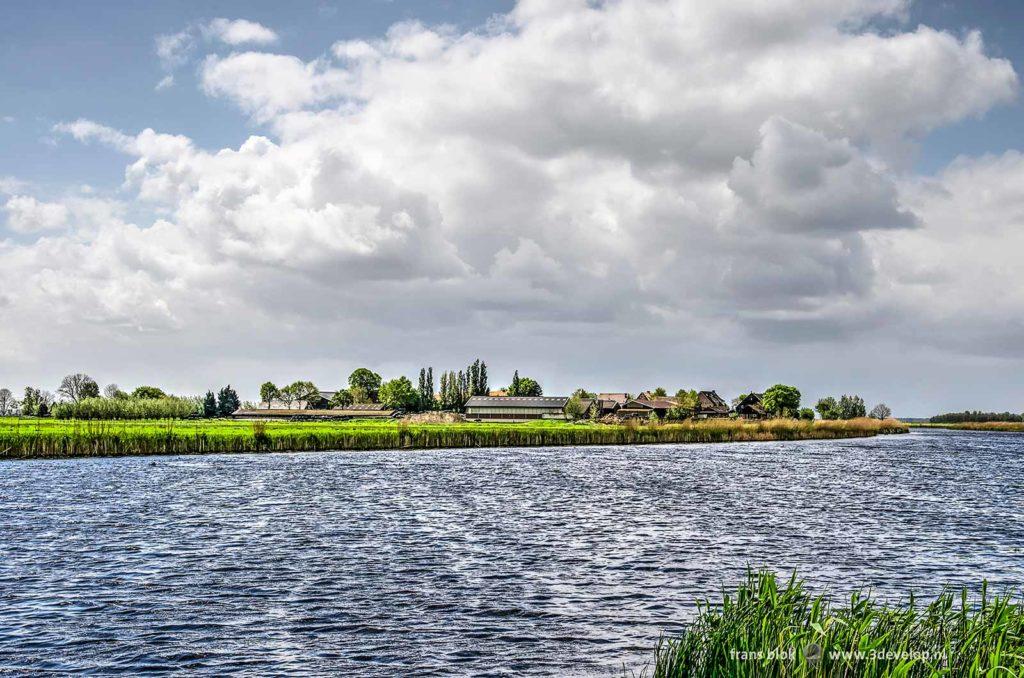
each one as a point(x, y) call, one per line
point(47, 438)
point(772, 628)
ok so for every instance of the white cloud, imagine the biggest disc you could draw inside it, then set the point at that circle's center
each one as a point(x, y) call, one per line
point(239, 32)
point(174, 49)
point(25, 214)
point(10, 185)
point(165, 82)
point(268, 84)
point(702, 180)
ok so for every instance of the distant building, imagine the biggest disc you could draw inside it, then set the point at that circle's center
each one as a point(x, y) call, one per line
point(641, 408)
point(515, 409)
point(360, 411)
point(618, 398)
point(751, 407)
point(710, 404)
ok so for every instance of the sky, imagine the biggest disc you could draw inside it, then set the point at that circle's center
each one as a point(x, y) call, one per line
point(616, 195)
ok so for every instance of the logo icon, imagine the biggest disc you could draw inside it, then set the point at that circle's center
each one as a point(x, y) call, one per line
point(812, 653)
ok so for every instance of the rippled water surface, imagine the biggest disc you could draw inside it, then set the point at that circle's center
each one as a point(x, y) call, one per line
point(565, 561)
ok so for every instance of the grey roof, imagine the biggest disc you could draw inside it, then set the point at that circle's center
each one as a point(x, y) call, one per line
point(517, 401)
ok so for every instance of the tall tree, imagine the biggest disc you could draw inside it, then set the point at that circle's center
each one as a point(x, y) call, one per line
point(307, 394)
point(8, 405)
point(513, 388)
point(852, 407)
point(341, 399)
point(485, 388)
point(210, 405)
point(113, 391)
point(227, 401)
point(268, 392)
point(148, 393)
point(367, 380)
point(398, 394)
point(827, 408)
point(529, 388)
point(426, 388)
point(782, 401)
point(881, 411)
point(76, 387)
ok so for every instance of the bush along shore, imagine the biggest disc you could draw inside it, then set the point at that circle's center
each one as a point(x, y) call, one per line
point(38, 438)
point(768, 628)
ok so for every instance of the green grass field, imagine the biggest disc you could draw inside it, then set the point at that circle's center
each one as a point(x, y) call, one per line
point(772, 628)
point(47, 438)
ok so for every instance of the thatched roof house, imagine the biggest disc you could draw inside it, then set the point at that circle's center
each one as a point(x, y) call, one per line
point(751, 407)
point(710, 404)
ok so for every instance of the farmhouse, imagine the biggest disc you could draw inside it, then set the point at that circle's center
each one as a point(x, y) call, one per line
point(710, 404)
point(641, 408)
point(751, 407)
point(514, 408)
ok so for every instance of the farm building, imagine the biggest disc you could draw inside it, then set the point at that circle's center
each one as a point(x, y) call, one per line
point(361, 411)
point(710, 404)
point(513, 409)
point(641, 408)
point(751, 407)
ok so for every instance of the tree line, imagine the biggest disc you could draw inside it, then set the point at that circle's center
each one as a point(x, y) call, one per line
point(975, 416)
point(79, 397)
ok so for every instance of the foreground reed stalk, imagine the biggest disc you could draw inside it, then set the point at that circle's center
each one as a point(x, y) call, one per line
point(54, 439)
point(768, 629)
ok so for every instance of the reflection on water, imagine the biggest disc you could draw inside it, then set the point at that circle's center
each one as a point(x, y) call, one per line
point(525, 561)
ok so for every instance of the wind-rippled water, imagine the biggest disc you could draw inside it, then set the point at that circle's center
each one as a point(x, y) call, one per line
point(556, 561)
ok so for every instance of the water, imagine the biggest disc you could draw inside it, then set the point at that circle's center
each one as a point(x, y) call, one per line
point(566, 561)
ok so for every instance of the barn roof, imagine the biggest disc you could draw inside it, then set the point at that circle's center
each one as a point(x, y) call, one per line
point(517, 401)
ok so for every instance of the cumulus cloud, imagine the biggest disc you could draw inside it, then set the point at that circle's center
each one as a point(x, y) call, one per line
point(682, 176)
point(239, 32)
point(296, 85)
point(25, 214)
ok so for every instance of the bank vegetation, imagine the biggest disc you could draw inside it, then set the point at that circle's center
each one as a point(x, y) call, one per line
point(23, 438)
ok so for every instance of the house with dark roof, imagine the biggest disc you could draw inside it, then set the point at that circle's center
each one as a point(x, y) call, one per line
point(751, 407)
point(515, 408)
point(642, 408)
point(710, 404)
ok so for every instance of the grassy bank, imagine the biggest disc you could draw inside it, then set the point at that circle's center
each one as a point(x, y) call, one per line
point(47, 438)
point(772, 628)
point(1005, 426)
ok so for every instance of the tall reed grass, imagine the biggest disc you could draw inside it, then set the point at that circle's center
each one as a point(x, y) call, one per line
point(75, 438)
point(129, 408)
point(768, 628)
point(1003, 426)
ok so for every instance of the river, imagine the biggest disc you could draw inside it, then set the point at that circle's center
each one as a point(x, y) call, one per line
point(555, 561)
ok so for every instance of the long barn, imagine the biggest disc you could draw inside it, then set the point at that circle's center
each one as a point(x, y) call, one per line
point(515, 409)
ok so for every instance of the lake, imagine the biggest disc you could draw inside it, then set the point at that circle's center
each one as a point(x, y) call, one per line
point(555, 561)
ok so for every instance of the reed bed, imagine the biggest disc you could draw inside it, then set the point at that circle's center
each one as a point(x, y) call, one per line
point(39, 438)
point(1004, 426)
point(768, 628)
point(129, 408)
